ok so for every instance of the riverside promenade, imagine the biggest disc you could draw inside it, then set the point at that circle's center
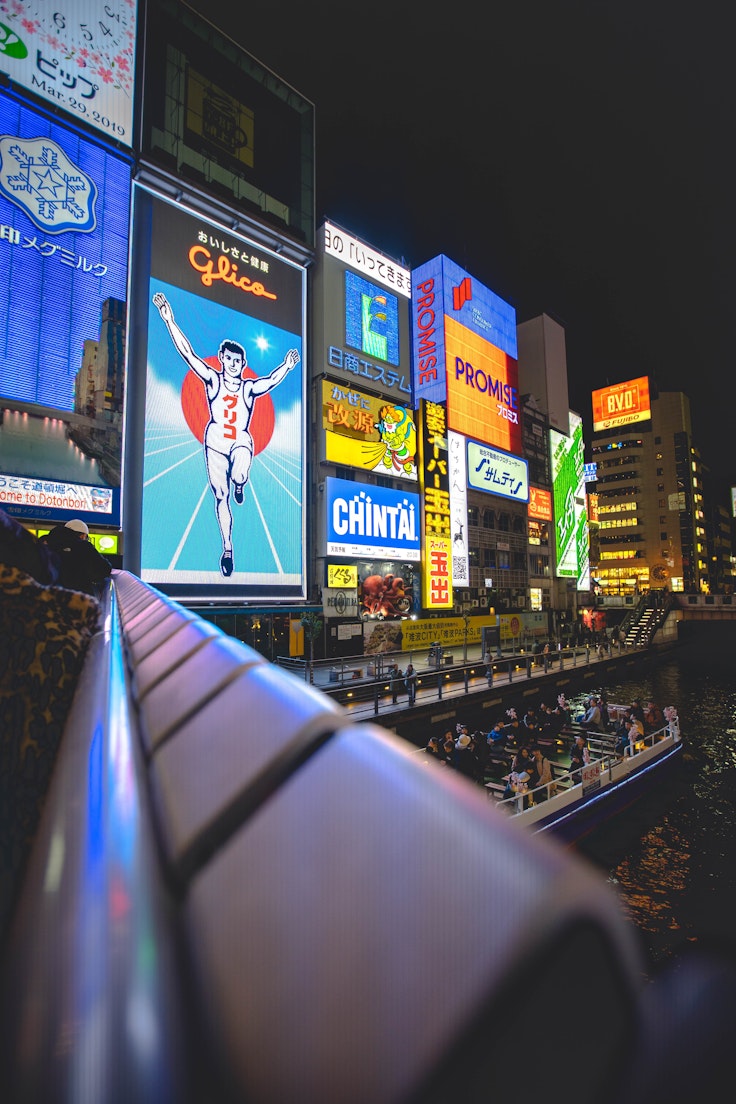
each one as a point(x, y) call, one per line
point(462, 692)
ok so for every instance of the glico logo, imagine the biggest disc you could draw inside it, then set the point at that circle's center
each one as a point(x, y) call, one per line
point(462, 294)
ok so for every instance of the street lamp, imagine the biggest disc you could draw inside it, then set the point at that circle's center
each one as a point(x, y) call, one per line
point(466, 621)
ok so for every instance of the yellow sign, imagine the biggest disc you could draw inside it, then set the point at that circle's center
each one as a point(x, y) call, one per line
point(342, 576)
point(449, 631)
point(219, 118)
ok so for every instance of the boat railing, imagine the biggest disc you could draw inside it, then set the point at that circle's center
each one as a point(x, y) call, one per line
point(602, 754)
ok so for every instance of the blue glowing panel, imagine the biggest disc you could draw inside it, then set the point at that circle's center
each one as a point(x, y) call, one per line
point(371, 319)
point(64, 209)
point(371, 521)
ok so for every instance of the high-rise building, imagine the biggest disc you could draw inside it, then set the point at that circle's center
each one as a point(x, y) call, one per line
point(650, 492)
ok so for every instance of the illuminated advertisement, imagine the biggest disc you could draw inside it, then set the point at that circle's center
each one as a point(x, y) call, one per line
point(223, 472)
point(342, 575)
point(458, 475)
point(215, 117)
point(540, 504)
point(435, 487)
point(464, 340)
point(64, 215)
point(621, 404)
point(386, 590)
point(591, 473)
point(497, 472)
point(78, 55)
point(572, 549)
point(371, 521)
point(362, 431)
point(371, 319)
point(361, 317)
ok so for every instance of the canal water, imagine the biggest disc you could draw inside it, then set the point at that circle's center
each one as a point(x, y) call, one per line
point(672, 859)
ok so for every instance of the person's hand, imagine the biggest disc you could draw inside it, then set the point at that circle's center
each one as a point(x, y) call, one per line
point(164, 307)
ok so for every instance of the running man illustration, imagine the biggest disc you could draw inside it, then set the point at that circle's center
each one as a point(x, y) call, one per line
point(228, 445)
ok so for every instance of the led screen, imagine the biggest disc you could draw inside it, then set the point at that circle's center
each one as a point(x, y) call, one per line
point(371, 521)
point(360, 308)
point(223, 465)
point(362, 431)
point(572, 549)
point(78, 55)
point(371, 319)
point(64, 217)
point(621, 404)
point(464, 340)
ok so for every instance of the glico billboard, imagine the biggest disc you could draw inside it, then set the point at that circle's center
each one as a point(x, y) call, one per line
point(572, 545)
point(221, 442)
point(621, 404)
point(64, 217)
point(464, 345)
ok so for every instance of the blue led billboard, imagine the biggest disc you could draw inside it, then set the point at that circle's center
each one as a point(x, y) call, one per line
point(64, 218)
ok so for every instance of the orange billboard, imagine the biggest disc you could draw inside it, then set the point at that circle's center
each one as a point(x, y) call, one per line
point(540, 504)
point(482, 389)
point(621, 404)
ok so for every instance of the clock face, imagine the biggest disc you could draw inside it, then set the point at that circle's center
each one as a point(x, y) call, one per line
point(660, 573)
point(77, 54)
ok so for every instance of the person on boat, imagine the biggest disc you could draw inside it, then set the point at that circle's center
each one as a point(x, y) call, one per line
point(465, 760)
point(448, 748)
point(543, 769)
point(603, 706)
point(637, 710)
point(497, 738)
point(531, 721)
point(433, 750)
point(579, 757)
point(523, 763)
point(653, 717)
point(591, 719)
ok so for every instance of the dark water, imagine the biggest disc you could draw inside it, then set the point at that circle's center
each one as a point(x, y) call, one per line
point(672, 860)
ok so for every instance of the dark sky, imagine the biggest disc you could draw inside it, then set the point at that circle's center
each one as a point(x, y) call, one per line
point(574, 157)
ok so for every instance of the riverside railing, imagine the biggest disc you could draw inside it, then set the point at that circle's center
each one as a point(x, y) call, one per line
point(364, 679)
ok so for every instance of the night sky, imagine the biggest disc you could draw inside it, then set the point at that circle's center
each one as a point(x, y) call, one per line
point(576, 158)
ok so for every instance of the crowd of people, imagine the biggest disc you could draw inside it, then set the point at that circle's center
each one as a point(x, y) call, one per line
point(517, 748)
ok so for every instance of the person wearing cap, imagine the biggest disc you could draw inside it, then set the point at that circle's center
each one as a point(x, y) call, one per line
point(82, 566)
point(465, 759)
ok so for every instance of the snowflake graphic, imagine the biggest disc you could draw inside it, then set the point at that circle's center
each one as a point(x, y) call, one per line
point(37, 176)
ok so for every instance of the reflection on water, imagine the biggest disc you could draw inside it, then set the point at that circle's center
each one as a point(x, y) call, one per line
point(672, 859)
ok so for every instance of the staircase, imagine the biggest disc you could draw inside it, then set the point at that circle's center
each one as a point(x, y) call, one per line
point(645, 619)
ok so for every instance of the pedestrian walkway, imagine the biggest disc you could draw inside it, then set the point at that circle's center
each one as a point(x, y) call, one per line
point(363, 686)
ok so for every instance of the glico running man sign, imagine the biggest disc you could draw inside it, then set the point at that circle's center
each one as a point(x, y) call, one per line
point(223, 483)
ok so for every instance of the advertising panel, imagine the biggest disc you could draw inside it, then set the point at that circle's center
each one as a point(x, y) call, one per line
point(387, 590)
point(78, 55)
point(223, 474)
point(362, 431)
point(540, 504)
point(371, 521)
point(435, 487)
point(216, 117)
point(572, 548)
point(497, 473)
point(458, 509)
point(621, 404)
point(464, 341)
point(361, 317)
point(64, 216)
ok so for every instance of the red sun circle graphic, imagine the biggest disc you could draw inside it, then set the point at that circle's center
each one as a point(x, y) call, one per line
point(197, 412)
